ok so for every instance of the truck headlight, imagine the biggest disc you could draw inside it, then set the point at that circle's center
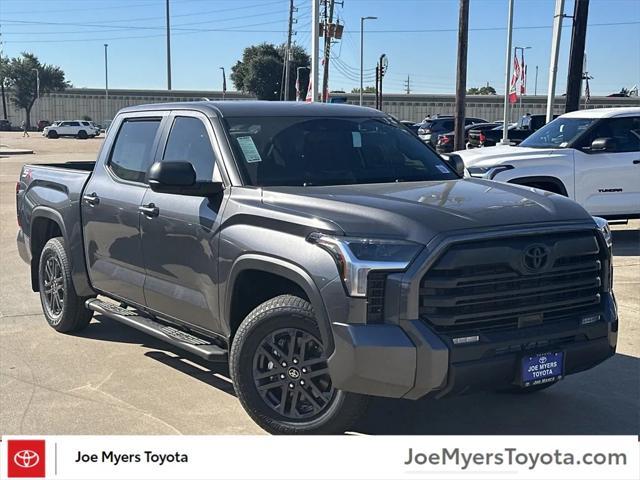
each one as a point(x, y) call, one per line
point(605, 230)
point(488, 172)
point(356, 257)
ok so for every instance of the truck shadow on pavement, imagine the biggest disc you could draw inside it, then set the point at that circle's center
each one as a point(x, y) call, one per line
point(604, 400)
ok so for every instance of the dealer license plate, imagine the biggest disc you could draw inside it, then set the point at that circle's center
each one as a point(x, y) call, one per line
point(542, 368)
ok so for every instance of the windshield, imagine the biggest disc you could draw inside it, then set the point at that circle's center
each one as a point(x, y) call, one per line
point(559, 133)
point(308, 151)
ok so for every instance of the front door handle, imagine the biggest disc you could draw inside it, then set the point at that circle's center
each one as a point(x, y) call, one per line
point(149, 210)
point(92, 199)
point(636, 162)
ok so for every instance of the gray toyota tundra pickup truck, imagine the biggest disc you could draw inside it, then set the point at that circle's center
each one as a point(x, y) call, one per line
point(324, 252)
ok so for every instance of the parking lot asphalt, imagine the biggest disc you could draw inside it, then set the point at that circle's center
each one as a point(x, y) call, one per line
point(111, 379)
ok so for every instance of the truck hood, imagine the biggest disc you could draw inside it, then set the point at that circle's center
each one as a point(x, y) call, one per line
point(503, 154)
point(418, 211)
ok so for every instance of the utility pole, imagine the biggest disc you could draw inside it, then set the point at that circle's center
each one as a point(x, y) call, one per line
point(407, 85)
point(461, 76)
point(535, 85)
point(328, 20)
point(2, 79)
point(576, 55)
point(555, 51)
point(168, 47)
point(106, 83)
point(287, 53)
point(507, 74)
point(315, 49)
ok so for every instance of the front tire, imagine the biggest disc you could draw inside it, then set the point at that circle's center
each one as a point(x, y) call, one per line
point(52, 134)
point(279, 370)
point(63, 309)
point(82, 135)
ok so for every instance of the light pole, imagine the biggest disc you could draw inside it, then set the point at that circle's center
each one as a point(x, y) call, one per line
point(507, 74)
point(362, 19)
point(224, 83)
point(106, 83)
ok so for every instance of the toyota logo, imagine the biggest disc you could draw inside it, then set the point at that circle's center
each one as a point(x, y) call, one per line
point(542, 360)
point(26, 458)
point(535, 257)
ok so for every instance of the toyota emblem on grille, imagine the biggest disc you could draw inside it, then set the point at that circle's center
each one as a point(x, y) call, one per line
point(535, 257)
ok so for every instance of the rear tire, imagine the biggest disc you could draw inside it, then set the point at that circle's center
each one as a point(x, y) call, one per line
point(63, 309)
point(279, 372)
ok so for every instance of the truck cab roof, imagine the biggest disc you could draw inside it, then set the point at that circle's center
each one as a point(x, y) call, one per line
point(236, 108)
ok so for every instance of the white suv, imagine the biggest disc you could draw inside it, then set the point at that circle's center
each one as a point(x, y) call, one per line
point(591, 156)
point(74, 128)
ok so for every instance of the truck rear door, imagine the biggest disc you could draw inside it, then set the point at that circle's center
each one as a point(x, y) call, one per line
point(608, 182)
point(179, 234)
point(110, 215)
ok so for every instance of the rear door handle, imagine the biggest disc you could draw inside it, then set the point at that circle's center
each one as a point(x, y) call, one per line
point(92, 199)
point(149, 210)
point(636, 162)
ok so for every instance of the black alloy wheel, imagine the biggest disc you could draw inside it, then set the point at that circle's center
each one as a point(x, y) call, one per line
point(291, 375)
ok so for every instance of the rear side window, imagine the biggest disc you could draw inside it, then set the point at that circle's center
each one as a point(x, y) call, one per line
point(132, 153)
point(189, 142)
point(74, 124)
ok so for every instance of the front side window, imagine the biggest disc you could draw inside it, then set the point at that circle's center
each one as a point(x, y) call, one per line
point(559, 133)
point(132, 153)
point(189, 142)
point(625, 133)
point(74, 124)
point(309, 151)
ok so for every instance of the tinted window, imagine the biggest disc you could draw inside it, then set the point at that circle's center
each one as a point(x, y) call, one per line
point(189, 142)
point(444, 125)
point(310, 151)
point(132, 155)
point(74, 124)
point(625, 133)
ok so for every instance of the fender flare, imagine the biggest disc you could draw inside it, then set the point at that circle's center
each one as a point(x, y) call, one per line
point(536, 179)
point(49, 214)
point(290, 271)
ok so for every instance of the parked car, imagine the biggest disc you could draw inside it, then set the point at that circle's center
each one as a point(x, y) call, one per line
point(290, 240)
point(74, 128)
point(96, 128)
point(525, 126)
point(430, 129)
point(446, 141)
point(42, 124)
point(591, 156)
point(5, 126)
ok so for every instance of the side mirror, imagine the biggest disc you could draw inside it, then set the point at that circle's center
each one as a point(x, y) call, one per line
point(603, 144)
point(455, 161)
point(180, 178)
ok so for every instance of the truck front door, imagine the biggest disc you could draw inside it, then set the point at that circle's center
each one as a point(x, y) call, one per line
point(110, 215)
point(179, 236)
point(608, 182)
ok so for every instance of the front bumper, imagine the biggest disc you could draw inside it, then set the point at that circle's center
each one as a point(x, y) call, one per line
point(411, 361)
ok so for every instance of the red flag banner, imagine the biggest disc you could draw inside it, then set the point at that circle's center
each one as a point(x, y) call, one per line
point(513, 89)
point(523, 77)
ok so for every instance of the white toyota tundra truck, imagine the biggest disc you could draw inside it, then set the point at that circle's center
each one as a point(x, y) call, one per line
point(591, 156)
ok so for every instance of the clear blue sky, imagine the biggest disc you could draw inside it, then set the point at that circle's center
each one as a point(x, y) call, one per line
point(208, 34)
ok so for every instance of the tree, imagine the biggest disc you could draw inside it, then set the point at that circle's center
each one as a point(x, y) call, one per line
point(486, 90)
point(21, 80)
point(367, 89)
point(260, 70)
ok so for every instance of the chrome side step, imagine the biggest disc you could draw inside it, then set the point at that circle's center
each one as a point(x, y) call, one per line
point(179, 338)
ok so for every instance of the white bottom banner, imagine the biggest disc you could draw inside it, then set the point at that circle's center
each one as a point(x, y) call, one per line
point(319, 458)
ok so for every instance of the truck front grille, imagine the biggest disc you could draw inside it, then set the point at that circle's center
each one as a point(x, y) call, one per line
point(490, 285)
